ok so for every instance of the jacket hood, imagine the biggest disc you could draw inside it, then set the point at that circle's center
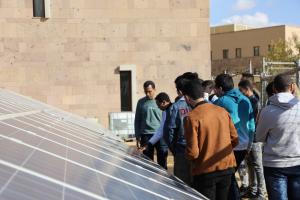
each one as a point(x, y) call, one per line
point(235, 94)
point(283, 100)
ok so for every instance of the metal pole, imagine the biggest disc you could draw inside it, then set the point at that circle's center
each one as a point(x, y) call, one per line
point(298, 73)
point(262, 82)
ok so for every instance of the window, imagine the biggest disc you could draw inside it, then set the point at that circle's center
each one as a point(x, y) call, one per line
point(128, 91)
point(125, 88)
point(269, 47)
point(238, 52)
point(41, 8)
point(38, 8)
point(256, 51)
point(225, 53)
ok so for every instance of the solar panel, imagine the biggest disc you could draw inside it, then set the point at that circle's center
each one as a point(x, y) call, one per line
point(47, 153)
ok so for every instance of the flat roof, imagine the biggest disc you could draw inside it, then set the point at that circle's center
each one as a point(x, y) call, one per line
point(248, 28)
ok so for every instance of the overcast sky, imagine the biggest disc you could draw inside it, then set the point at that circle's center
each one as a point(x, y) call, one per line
point(256, 13)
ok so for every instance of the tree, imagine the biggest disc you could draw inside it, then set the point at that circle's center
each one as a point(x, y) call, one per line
point(285, 50)
point(296, 42)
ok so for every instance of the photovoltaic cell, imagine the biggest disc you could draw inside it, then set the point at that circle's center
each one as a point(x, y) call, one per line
point(27, 187)
point(46, 153)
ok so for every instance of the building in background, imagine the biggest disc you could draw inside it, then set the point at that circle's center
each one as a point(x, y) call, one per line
point(91, 57)
point(237, 48)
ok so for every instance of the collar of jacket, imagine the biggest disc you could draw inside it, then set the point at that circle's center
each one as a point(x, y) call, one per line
point(200, 103)
point(169, 106)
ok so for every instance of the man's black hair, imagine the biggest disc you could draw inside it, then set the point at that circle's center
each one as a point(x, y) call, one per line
point(270, 89)
point(194, 89)
point(149, 83)
point(162, 97)
point(190, 75)
point(248, 76)
point(245, 84)
point(208, 86)
point(180, 81)
point(282, 82)
point(225, 81)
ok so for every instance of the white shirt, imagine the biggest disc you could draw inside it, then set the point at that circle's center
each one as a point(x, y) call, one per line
point(159, 133)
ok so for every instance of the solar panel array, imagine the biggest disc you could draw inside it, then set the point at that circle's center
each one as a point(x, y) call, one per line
point(46, 153)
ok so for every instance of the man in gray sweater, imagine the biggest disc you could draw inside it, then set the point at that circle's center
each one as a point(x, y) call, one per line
point(147, 121)
point(279, 129)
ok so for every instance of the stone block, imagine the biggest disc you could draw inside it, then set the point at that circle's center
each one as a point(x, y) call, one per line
point(142, 3)
point(1, 47)
point(162, 4)
point(183, 4)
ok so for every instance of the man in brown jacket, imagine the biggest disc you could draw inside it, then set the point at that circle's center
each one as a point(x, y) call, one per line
point(210, 137)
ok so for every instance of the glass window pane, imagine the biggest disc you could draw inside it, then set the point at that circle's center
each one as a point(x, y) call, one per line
point(225, 53)
point(238, 52)
point(256, 50)
point(125, 88)
point(38, 8)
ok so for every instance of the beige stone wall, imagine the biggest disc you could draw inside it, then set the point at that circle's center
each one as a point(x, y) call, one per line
point(291, 31)
point(71, 60)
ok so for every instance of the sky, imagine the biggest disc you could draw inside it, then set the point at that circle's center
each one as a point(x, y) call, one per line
point(257, 13)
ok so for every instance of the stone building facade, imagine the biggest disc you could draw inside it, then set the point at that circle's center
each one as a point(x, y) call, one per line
point(72, 58)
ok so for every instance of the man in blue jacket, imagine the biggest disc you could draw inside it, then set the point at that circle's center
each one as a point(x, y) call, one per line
point(241, 112)
point(174, 129)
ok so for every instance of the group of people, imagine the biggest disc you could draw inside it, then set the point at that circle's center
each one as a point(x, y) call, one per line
point(212, 128)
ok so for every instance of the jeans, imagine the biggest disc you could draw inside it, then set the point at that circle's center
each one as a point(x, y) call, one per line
point(161, 150)
point(256, 174)
point(243, 172)
point(283, 183)
point(182, 168)
point(234, 193)
point(214, 186)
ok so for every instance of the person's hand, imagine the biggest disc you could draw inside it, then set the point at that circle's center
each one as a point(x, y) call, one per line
point(146, 149)
point(143, 148)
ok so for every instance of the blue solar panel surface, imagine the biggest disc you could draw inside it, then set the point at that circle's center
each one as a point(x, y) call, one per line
point(46, 153)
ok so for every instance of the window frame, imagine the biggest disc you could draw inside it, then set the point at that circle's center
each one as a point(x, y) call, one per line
point(240, 52)
point(41, 9)
point(126, 96)
point(226, 52)
point(132, 69)
point(256, 51)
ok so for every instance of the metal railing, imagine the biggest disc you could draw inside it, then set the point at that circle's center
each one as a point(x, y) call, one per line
point(267, 76)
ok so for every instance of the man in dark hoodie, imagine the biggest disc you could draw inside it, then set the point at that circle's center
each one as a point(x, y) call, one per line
point(250, 78)
point(241, 112)
point(254, 159)
point(174, 130)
